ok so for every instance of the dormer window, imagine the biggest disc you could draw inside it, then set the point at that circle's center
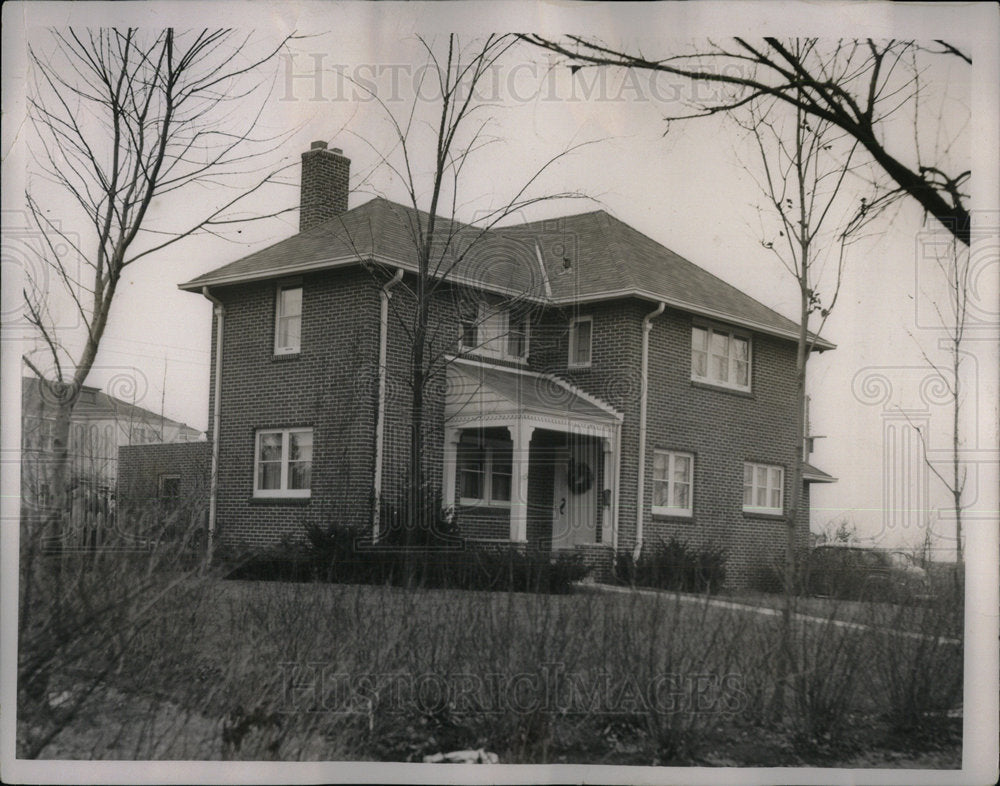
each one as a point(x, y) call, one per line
point(720, 356)
point(580, 340)
point(288, 320)
point(494, 331)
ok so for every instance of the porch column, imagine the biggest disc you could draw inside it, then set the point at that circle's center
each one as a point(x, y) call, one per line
point(450, 464)
point(607, 499)
point(520, 434)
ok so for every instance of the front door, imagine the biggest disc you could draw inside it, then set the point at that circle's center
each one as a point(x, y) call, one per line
point(574, 498)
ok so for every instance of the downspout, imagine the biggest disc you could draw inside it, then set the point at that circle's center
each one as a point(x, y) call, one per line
point(384, 295)
point(640, 501)
point(220, 315)
point(617, 458)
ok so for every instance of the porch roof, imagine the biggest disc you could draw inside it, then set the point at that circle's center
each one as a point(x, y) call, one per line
point(486, 395)
point(811, 474)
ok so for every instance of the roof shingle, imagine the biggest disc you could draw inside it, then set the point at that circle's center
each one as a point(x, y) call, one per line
point(588, 256)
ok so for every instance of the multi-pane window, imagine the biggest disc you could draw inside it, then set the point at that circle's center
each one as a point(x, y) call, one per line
point(673, 483)
point(580, 341)
point(283, 463)
point(763, 486)
point(720, 357)
point(288, 320)
point(493, 331)
point(484, 473)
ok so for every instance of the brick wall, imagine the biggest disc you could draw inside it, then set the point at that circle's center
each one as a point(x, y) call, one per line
point(721, 428)
point(141, 511)
point(330, 386)
point(141, 466)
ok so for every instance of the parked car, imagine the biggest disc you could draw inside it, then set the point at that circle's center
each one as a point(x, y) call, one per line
point(856, 573)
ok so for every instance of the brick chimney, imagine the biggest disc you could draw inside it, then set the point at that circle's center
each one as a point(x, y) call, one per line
point(325, 176)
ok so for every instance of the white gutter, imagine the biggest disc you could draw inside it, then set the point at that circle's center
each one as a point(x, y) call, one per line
point(220, 315)
point(617, 488)
point(647, 326)
point(820, 344)
point(384, 295)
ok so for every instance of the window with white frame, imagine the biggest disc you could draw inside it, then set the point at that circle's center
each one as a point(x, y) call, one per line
point(720, 357)
point(283, 462)
point(288, 320)
point(673, 483)
point(494, 331)
point(484, 472)
point(580, 340)
point(763, 488)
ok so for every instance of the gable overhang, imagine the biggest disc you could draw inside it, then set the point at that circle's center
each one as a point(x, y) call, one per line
point(811, 474)
point(482, 395)
point(819, 344)
point(333, 263)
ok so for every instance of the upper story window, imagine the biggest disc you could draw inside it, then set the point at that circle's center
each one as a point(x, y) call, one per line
point(288, 320)
point(283, 462)
point(720, 356)
point(580, 340)
point(484, 472)
point(494, 331)
point(763, 487)
point(673, 483)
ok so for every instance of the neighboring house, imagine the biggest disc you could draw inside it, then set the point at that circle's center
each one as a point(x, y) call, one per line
point(99, 425)
point(163, 490)
point(600, 392)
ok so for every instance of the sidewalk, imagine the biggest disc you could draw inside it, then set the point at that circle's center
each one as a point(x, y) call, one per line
point(766, 611)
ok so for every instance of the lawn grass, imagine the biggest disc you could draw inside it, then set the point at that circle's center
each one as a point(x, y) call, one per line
point(333, 671)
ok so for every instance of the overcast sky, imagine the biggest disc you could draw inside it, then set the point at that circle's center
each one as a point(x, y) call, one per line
point(687, 188)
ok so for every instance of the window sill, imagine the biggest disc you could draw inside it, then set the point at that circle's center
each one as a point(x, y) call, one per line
point(286, 355)
point(480, 504)
point(663, 514)
point(279, 500)
point(698, 383)
point(762, 514)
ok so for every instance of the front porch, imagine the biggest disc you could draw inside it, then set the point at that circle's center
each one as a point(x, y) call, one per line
point(529, 459)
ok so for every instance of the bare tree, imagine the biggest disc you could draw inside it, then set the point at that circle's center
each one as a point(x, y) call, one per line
point(953, 264)
point(859, 86)
point(445, 247)
point(128, 126)
point(813, 216)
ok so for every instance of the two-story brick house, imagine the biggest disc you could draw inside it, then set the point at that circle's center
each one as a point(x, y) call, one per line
point(587, 387)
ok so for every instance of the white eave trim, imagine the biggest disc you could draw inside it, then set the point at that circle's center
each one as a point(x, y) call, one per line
point(330, 263)
point(809, 477)
point(593, 400)
point(683, 305)
point(335, 262)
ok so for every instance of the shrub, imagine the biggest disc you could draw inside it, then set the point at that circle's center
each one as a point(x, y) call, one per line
point(769, 575)
point(348, 556)
point(675, 565)
point(426, 525)
point(920, 671)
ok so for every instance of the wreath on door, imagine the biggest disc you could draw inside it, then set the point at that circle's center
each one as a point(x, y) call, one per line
point(579, 477)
